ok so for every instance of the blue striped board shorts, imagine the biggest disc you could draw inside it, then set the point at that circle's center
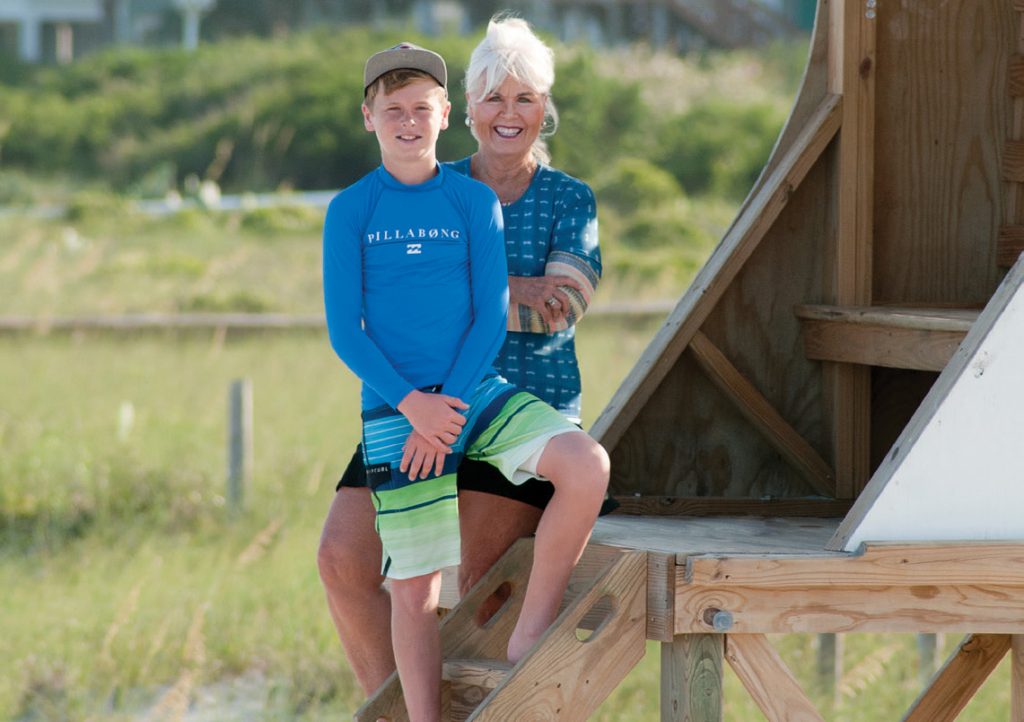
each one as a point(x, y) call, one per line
point(418, 520)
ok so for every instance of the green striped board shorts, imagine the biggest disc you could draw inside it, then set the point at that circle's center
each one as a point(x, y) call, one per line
point(418, 520)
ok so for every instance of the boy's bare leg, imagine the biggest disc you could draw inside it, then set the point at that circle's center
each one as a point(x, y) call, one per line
point(417, 642)
point(490, 524)
point(578, 467)
point(349, 558)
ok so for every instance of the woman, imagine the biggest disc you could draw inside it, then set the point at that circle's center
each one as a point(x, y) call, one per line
point(554, 265)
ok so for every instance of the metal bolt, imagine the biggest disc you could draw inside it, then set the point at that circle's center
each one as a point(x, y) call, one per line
point(718, 619)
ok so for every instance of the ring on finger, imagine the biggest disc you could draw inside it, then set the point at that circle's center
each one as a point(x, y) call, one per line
point(553, 301)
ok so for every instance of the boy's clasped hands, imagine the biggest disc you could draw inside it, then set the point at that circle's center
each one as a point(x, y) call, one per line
point(436, 423)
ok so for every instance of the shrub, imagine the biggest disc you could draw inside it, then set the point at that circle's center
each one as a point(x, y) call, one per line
point(720, 146)
point(634, 183)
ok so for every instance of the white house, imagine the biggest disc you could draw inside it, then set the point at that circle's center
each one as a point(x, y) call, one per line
point(29, 16)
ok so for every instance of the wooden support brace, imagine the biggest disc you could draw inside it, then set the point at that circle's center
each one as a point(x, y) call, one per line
point(768, 680)
point(960, 678)
point(755, 220)
point(903, 338)
point(759, 411)
point(691, 678)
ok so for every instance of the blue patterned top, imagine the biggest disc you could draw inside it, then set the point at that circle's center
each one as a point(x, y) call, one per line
point(556, 213)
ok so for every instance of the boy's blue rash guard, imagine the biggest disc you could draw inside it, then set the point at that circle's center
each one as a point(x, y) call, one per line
point(415, 283)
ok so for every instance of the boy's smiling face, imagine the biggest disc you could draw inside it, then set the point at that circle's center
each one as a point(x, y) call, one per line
point(407, 122)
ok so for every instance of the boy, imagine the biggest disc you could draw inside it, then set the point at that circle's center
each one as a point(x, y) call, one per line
point(416, 297)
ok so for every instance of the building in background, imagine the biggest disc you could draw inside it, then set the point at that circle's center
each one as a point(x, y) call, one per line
point(60, 30)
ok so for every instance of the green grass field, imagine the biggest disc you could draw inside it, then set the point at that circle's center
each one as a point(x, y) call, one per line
point(129, 587)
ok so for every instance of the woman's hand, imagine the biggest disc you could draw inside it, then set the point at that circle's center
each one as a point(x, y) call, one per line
point(419, 457)
point(435, 417)
point(538, 292)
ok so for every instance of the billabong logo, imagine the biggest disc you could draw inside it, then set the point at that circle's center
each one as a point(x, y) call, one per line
point(412, 234)
point(413, 249)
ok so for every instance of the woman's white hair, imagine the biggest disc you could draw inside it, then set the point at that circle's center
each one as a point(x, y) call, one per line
point(510, 48)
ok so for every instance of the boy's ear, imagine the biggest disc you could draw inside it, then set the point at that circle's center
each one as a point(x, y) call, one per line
point(367, 118)
point(444, 114)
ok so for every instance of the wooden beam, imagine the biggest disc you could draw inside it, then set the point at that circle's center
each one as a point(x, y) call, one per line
point(1013, 161)
point(1017, 678)
point(758, 411)
point(959, 680)
point(661, 596)
point(852, 65)
point(896, 564)
point(955, 319)
point(840, 608)
point(691, 678)
point(722, 506)
point(768, 680)
point(755, 220)
point(1015, 77)
point(1009, 245)
point(904, 338)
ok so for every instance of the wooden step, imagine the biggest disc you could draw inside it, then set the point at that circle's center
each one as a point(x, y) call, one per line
point(894, 336)
point(487, 673)
point(598, 637)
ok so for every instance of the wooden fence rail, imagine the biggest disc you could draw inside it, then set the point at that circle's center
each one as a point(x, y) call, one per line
point(244, 321)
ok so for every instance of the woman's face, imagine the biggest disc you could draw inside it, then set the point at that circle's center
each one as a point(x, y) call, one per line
point(507, 120)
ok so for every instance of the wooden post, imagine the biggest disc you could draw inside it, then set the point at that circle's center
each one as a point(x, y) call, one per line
point(691, 678)
point(830, 664)
point(852, 75)
point(239, 441)
point(927, 645)
point(1017, 679)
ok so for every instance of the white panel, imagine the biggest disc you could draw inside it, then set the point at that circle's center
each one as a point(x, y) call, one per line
point(88, 11)
point(957, 471)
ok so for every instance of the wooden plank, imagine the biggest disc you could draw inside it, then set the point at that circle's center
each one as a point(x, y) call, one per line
point(759, 411)
point(837, 608)
point(755, 219)
point(1013, 161)
point(943, 115)
point(897, 317)
point(959, 680)
point(661, 596)
point(1015, 77)
point(888, 346)
point(487, 673)
point(877, 564)
point(721, 506)
point(687, 536)
point(980, 386)
point(1010, 245)
point(852, 70)
point(768, 680)
point(691, 678)
point(1017, 678)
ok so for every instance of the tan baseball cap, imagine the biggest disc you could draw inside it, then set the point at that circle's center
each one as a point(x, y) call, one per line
point(405, 55)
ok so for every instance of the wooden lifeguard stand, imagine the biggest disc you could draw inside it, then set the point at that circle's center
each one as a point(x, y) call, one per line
point(825, 436)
